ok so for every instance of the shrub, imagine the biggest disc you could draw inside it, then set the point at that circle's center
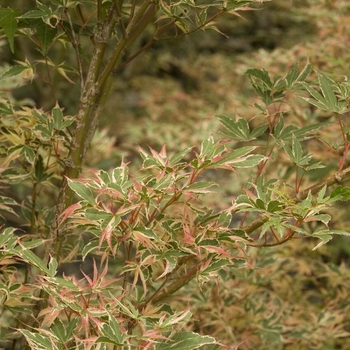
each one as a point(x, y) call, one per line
point(151, 245)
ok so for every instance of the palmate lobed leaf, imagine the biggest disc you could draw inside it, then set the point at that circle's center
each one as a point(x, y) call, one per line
point(235, 129)
point(240, 129)
point(327, 99)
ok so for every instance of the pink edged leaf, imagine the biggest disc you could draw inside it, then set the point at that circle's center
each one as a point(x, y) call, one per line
point(213, 249)
point(107, 233)
point(69, 212)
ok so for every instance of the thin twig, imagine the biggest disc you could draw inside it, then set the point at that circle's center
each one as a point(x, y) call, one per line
point(75, 44)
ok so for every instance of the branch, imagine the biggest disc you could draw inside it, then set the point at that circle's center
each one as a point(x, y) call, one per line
point(159, 295)
point(140, 21)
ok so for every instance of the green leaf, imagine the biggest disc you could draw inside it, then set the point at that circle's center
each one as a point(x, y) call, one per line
point(274, 206)
point(200, 187)
point(59, 329)
point(38, 341)
point(149, 233)
point(341, 193)
point(249, 161)
point(326, 86)
point(317, 99)
point(120, 176)
point(57, 116)
point(210, 149)
point(53, 264)
point(297, 150)
point(43, 132)
point(283, 133)
point(225, 219)
point(6, 203)
point(6, 235)
point(96, 215)
point(321, 194)
point(32, 259)
point(64, 331)
point(128, 310)
point(185, 341)
point(8, 23)
point(179, 156)
point(175, 319)
point(46, 35)
point(89, 248)
point(236, 157)
point(304, 132)
point(13, 71)
point(296, 153)
point(324, 218)
point(292, 76)
point(44, 12)
point(32, 14)
point(82, 191)
point(328, 100)
point(111, 332)
point(34, 243)
point(324, 237)
point(39, 170)
point(40, 116)
point(240, 129)
point(28, 152)
point(104, 176)
point(235, 129)
point(264, 87)
point(62, 283)
point(262, 75)
point(305, 72)
point(260, 204)
point(214, 267)
point(258, 131)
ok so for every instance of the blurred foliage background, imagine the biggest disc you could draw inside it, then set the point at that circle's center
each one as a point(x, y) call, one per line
point(170, 95)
